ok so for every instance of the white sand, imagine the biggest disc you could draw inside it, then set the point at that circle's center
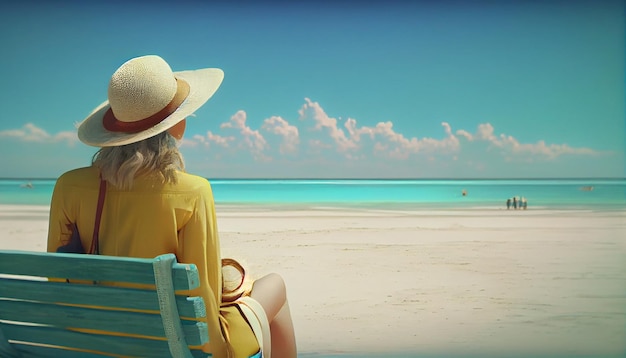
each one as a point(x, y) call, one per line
point(483, 282)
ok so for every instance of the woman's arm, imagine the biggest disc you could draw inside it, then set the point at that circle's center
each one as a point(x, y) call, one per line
point(199, 244)
point(59, 225)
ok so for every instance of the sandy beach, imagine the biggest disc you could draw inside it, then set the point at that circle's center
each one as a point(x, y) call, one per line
point(484, 282)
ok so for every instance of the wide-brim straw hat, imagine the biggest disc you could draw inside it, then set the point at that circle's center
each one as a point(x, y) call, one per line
point(145, 98)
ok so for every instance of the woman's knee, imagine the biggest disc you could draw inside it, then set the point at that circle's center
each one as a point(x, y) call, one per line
point(272, 283)
point(278, 282)
point(271, 292)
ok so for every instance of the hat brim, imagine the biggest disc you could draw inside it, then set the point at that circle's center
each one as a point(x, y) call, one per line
point(203, 83)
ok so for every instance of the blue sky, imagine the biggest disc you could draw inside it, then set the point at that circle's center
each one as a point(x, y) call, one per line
point(422, 89)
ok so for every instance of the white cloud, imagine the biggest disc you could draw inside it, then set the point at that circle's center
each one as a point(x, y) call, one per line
point(386, 141)
point(208, 140)
point(220, 140)
point(324, 122)
point(316, 134)
point(31, 133)
point(253, 140)
point(465, 134)
point(289, 133)
point(511, 146)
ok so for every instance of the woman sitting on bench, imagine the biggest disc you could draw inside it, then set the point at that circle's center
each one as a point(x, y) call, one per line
point(152, 206)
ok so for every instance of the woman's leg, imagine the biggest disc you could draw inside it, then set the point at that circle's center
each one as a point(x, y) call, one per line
point(271, 293)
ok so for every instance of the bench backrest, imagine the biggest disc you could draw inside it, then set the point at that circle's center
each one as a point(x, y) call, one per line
point(41, 318)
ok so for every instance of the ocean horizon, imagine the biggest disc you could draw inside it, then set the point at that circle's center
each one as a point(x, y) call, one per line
point(540, 193)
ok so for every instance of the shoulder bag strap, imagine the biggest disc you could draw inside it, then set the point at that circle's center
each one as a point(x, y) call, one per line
point(95, 245)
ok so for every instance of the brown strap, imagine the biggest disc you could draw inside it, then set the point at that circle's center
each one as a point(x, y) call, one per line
point(95, 244)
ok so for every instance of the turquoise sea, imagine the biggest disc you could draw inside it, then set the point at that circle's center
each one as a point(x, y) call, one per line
point(604, 194)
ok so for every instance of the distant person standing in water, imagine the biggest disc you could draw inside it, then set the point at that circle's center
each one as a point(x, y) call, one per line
point(515, 202)
point(508, 203)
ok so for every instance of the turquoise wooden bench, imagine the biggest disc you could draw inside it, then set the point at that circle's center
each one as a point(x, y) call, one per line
point(35, 313)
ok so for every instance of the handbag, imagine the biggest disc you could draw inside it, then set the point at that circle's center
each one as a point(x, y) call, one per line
point(75, 246)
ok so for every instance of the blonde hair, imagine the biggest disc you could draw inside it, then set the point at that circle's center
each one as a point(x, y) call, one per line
point(156, 155)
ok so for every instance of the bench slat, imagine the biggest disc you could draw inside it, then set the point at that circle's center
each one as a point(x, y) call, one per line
point(195, 333)
point(96, 295)
point(125, 346)
point(31, 351)
point(93, 267)
point(47, 352)
point(6, 349)
point(51, 352)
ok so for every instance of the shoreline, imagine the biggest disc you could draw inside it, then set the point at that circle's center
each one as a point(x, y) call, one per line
point(372, 207)
point(425, 282)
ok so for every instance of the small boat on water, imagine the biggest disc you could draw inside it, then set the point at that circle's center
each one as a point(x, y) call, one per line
point(586, 188)
point(28, 185)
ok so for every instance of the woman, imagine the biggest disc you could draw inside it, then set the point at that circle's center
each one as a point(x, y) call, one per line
point(151, 206)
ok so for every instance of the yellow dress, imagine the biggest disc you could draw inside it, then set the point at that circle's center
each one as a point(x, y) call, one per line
point(153, 219)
